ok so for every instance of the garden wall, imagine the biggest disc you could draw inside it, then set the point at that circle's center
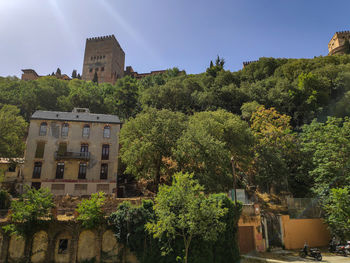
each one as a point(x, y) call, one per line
point(297, 231)
point(65, 242)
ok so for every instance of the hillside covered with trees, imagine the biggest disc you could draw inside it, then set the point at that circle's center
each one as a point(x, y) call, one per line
point(284, 122)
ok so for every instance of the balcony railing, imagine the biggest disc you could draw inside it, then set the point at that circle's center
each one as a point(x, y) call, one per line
point(72, 155)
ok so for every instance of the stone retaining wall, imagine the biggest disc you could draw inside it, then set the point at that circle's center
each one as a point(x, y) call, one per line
point(65, 242)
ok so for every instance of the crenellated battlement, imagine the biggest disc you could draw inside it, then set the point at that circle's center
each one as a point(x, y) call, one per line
point(337, 43)
point(343, 32)
point(246, 63)
point(102, 38)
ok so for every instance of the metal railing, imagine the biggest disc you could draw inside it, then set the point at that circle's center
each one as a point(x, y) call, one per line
point(72, 155)
point(304, 208)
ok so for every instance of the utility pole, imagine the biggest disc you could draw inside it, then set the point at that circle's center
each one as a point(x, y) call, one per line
point(234, 178)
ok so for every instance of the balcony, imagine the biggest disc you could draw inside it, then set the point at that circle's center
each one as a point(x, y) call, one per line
point(72, 155)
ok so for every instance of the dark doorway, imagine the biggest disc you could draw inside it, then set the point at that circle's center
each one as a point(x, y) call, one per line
point(246, 239)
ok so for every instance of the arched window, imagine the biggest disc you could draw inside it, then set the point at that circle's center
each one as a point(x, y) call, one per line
point(43, 129)
point(86, 131)
point(64, 131)
point(107, 132)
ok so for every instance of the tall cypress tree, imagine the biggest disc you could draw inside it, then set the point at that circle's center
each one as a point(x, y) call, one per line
point(95, 79)
point(347, 47)
point(74, 74)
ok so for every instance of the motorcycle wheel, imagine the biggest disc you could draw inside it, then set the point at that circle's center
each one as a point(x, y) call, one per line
point(319, 257)
point(302, 254)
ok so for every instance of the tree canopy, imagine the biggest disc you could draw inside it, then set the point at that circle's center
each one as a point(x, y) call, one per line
point(183, 210)
point(12, 131)
point(147, 141)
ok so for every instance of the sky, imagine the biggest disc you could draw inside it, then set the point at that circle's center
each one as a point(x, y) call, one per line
point(162, 34)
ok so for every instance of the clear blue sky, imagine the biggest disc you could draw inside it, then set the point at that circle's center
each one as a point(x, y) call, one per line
point(160, 34)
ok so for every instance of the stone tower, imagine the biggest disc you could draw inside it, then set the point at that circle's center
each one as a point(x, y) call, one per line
point(336, 44)
point(104, 56)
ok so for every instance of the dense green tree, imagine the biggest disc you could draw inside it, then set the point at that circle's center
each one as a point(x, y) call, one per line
point(74, 74)
point(31, 207)
point(90, 212)
point(207, 145)
point(58, 72)
point(337, 208)
point(347, 47)
point(248, 109)
point(183, 210)
point(129, 225)
point(28, 213)
point(328, 144)
point(342, 107)
point(275, 162)
point(214, 69)
point(147, 141)
point(83, 95)
point(12, 131)
point(175, 95)
point(122, 99)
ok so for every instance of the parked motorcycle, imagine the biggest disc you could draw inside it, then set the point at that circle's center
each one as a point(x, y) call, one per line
point(338, 248)
point(341, 250)
point(311, 252)
point(347, 248)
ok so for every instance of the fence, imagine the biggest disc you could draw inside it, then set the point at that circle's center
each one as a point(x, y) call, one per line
point(303, 208)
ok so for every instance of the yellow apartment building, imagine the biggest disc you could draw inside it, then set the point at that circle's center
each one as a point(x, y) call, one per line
point(73, 153)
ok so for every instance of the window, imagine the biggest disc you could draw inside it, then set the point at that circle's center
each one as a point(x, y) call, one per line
point(86, 131)
point(107, 132)
point(102, 68)
point(63, 246)
point(105, 152)
point(37, 170)
point(84, 148)
point(40, 149)
point(90, 70)
point(82, 171)
point(43, 129)
point(103, 188)
point(104, 171)
point(96, 69)
point(62, 149)
point(64, 131)
point(57, 188)
point(12, 167)
point(36, 185)
point(59, 170)
point(80, 189)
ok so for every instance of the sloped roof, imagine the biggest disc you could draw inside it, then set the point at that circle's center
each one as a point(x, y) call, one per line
point(75, 116)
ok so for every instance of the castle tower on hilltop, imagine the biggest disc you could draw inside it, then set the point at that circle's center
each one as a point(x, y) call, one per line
point(104, 56)
point(337, 44)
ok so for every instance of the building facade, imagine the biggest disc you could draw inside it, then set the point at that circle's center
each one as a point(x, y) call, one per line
point(105, 57)
point(337, 44)
point(72, 153)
